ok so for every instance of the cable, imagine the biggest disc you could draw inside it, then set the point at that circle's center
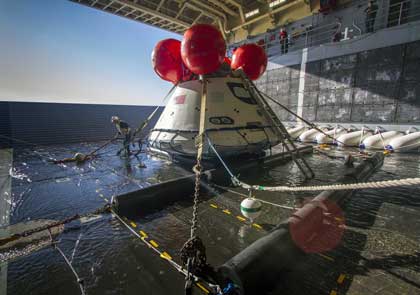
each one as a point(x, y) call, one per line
point(333, 187)
point(178, 267)
point(246, 196)
point(196, 279)
point(297, 116)
point(78, 279)
point(150, 117)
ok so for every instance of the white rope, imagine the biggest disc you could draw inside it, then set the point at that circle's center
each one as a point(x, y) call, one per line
point(334, 187)
point(331, 187)
point(246, 196)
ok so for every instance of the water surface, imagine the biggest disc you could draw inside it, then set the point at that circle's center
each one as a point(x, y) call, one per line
point(379, 252)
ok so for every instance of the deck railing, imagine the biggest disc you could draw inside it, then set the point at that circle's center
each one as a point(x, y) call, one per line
point(385, 16)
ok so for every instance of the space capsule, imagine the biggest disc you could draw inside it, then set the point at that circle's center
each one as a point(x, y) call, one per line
point(236, 121)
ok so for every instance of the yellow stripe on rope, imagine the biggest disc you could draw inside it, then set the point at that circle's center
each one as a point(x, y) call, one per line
point(133, 224)
point(257, 226)
point(214, 206)
point(227, 212)
point(165, 255)
point(341, 278)
point(153, 243)
point(143, 234)
point(340, 220)
point(204, 289)
point(240, 218)
point(326, 257)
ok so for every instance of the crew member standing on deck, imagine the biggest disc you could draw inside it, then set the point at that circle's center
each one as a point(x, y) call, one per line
point(284, 41)
point(124, 130)
point(371, 16)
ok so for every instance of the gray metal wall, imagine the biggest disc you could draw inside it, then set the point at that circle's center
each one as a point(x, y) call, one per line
point(374, 86)
point(55, 123)
point(4, 124)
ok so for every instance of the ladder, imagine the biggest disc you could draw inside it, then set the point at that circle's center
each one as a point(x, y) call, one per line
point(284, 136)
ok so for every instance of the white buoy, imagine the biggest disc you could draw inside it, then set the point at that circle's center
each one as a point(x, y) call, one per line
point(380, 140)
point(296, 131)
point(251, 208)
point(310, 135)
point(406, 143)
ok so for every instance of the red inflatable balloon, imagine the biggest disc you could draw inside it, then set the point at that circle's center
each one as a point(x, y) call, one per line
point(227, 60)
point(167, 61)
point(203, 49)
point(251, 58)
point(187, 75)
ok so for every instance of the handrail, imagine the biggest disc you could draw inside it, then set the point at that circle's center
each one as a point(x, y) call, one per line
point(385, 16)
point(357, 27)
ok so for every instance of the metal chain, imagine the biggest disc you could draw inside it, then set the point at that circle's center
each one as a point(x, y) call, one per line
point(194, 221)
point(193, 253)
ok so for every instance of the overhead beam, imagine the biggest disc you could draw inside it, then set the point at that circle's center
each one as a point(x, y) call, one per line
point(160, 5)
point(159, 22)
point(139, 16)
point(224, 7)
point(149, 19)
point(119, 9)
point(152, 12)
point(220, 18)
point(130, 12)
point(108, 5)
point(239, 6)
point(180, 11)
point(208, 8)
point(268, 14)
point(197, 18)
point(216, 18)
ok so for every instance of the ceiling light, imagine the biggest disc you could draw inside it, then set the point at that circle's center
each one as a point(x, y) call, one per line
point(252, 12)
point(275, 3)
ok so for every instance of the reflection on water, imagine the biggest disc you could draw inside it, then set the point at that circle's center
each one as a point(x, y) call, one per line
point(382, 235)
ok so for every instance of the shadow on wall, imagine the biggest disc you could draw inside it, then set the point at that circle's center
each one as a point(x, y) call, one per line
point(375, 86)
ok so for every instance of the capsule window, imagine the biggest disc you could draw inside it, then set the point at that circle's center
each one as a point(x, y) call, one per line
point(254, 124)
point(239, 91)
point(221, 120)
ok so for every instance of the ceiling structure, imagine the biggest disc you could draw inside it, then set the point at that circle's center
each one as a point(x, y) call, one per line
point(178, 15)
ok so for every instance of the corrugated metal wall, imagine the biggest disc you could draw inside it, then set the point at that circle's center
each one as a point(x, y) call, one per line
point(375, 86)
point(52, 123)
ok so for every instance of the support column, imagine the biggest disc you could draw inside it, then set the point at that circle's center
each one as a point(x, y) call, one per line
point(6, 159)
point(301, 91)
